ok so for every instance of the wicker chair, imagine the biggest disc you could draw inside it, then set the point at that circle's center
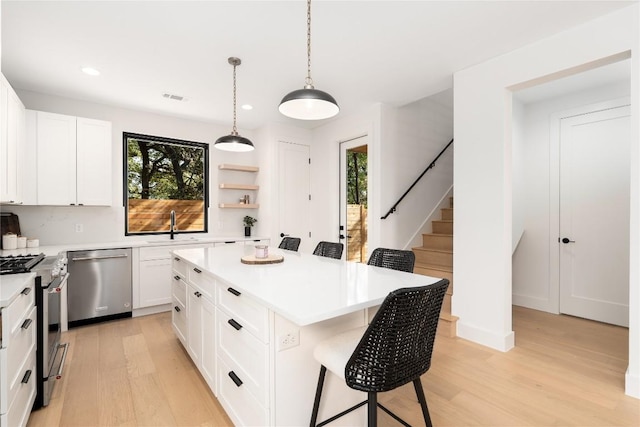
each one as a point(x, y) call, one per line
point(393, 350)
point(329, 250)
point(393, 258)
point(290, 243)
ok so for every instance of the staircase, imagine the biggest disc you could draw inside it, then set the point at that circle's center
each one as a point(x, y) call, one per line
point(435, 258)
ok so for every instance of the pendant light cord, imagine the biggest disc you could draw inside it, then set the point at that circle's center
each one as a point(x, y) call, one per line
point(309, 80)
point(235, 129)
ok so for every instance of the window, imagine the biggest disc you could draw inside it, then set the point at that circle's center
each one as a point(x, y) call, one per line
point(163, 175)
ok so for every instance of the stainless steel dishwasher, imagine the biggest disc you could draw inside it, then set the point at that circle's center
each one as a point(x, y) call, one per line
point(99, 286)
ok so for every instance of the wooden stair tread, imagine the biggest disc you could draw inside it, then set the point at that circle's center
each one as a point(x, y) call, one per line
point(448, 317)
point(442, 268)
point(437, 234)
point(442, 220)
point(422, 248)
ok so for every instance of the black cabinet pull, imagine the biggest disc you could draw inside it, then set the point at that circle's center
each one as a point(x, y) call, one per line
point(26, 291)
point(233, 291)
point(177, 309)
point(237, 326)
point(176, 277)
point(198, 294)
point(26, 377)
point(176, 258)
point(235, 378)
point(197, 271)
point(26, 324)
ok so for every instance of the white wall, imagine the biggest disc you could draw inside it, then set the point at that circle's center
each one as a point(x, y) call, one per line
point(56, 225)
point(519, 160)
point(531, 269)
point(483, 214)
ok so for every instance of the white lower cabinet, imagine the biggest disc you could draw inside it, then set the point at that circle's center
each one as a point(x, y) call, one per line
point(18, 358)
point(241, 406)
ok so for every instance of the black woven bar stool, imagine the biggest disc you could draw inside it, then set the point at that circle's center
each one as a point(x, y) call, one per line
point(329, 250)
point(393, 350)
point(290, 243)
point(393, 258)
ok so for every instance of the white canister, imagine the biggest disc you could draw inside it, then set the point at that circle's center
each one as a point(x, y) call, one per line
point(33, 243)
point(22, 242)
point(262, 251)
point(9, 241)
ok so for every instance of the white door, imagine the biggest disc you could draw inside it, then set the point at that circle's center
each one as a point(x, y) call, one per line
point(294, 176)
point(353, 211)
point(594, 215)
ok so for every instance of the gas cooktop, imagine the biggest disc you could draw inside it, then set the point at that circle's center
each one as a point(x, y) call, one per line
point(19, 263)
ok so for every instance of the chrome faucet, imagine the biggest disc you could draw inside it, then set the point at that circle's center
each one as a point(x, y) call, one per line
point(172, 223)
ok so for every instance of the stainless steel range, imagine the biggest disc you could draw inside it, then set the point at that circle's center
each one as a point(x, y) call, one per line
point(51, 280)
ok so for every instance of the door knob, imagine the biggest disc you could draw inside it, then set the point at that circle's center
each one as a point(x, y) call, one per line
point(565, 240)
point(284, 235)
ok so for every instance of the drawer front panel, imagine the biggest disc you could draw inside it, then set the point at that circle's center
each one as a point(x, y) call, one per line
point(13, 316)
point(179, 320)
point(179, 289)
point(206, 283)
point(157, 252)
point(180, 266)
point(23, 346)
point(241, 406)
point(244, 353)
point(253, 316)
point(25, 395)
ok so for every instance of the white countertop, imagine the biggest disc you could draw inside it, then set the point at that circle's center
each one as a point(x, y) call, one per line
point(53, 250)
point(11, 285)
point(305, 288)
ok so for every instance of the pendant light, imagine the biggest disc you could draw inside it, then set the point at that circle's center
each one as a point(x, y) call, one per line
point(309, 103)
point(233, 141)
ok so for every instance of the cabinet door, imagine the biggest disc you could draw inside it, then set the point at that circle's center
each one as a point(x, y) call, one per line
point(94, 168)
point(194, 320)
point(4, 158)
point(15, 114)
point(56, 147)
point(208, 368)
point(155, 282)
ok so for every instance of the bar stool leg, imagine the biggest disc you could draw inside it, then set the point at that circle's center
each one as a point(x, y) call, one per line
point(417, 384)
point(316, 402)
point(372, 409)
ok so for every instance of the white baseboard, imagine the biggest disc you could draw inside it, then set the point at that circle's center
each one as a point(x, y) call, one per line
point(532, 302)
point(632, 385)
point(151, 310)
point(485, 337)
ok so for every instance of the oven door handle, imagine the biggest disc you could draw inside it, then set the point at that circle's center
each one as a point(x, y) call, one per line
point(60, 285)
point(58, 374)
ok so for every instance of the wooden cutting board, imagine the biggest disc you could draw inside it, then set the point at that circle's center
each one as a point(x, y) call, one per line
point(271, 259)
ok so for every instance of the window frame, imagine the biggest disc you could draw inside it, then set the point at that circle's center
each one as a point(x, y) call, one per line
point(125, 179)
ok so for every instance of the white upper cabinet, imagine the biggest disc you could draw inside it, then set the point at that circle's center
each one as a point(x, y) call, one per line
point(73, 159)
point(12, 131)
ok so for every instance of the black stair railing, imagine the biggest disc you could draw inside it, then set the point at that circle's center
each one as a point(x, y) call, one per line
point(431, 166)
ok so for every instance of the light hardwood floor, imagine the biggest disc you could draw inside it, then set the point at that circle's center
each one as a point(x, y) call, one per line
point(564, 371)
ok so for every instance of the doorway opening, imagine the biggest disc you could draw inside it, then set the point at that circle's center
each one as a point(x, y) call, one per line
point(354, 169)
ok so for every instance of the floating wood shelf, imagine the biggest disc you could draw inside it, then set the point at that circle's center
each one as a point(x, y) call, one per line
point(238, 206)
point(238, 187)
point(240, 168)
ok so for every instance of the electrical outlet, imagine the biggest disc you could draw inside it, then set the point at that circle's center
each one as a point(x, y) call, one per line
point(79, 228)
point(289, 339)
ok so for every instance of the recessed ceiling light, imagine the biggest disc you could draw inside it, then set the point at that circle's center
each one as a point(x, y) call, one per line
point(247, 107)
point(90, 71)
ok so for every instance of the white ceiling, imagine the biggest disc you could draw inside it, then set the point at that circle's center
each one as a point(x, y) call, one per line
point(363, 52)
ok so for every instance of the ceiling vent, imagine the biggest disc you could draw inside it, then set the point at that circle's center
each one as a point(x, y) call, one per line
point(172, 96)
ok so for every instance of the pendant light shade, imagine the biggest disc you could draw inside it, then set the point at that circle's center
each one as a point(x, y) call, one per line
point(233, 141)
point(309, 103)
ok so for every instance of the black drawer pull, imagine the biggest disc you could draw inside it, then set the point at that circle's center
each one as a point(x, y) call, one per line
point(237, 326)
point(176, 277)
point(177, 309)
point(26, 291)
point(26, 377)
point(233, 291)
point(176, 258)
point(235, 378)
point(26, 324)
point(197, 271)
point(198, 294)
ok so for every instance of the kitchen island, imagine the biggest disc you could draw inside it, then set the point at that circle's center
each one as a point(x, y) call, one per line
point(251, 329)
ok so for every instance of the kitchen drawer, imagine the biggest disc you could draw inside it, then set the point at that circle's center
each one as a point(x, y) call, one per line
point(179, 320)
point(13, 315)
point(245, 354)
point(180, 266)
point(256, 242)
point(252, 315)
point(164, 252)
point(240, 405)
point(179, 289)
point(18, 413)
point(206, 283)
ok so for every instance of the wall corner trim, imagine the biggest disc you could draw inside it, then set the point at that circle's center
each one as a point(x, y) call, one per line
point(632, 385)
point(487, 338)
